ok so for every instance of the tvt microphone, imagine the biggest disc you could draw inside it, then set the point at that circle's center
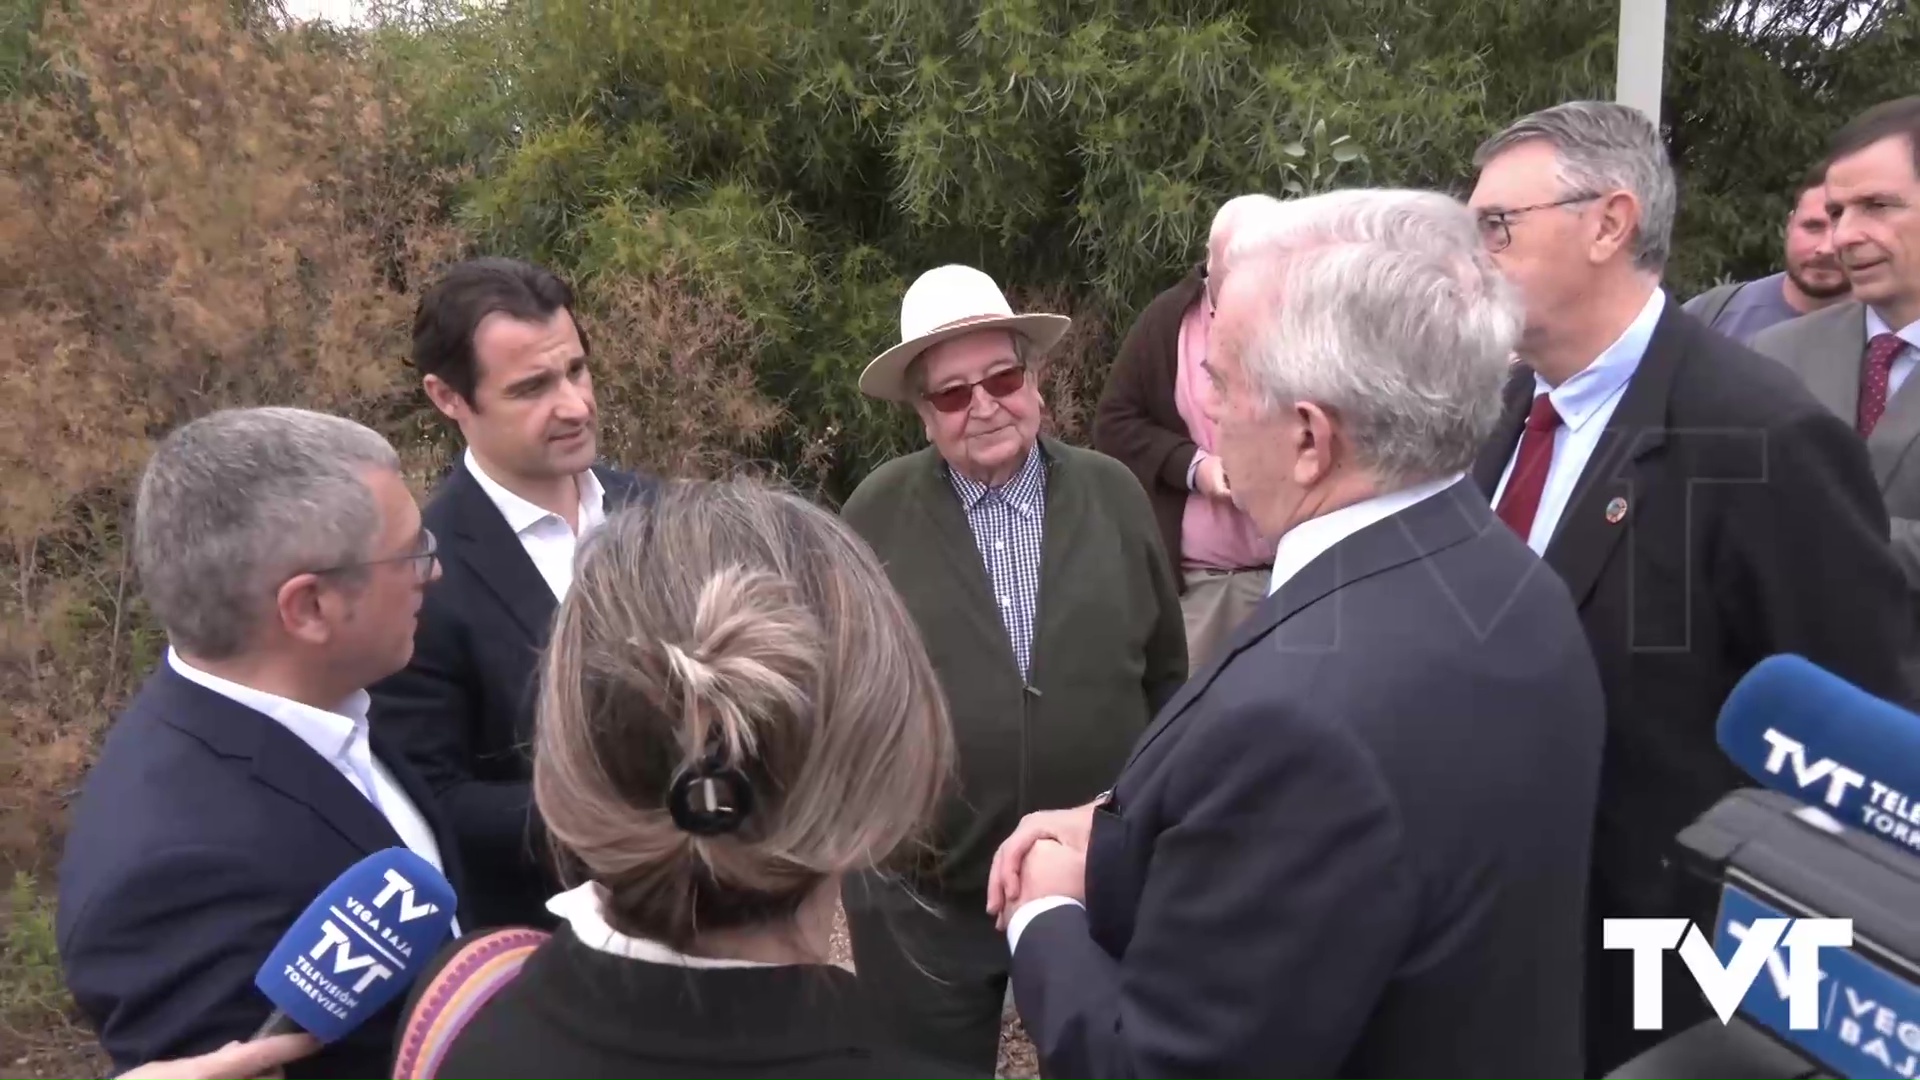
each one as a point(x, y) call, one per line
point(1835, 837)
point(1805, 732)
point(357, 946)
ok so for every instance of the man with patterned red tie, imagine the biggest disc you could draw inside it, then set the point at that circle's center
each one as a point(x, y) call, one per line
point(1855, 356)
point(1702, 507)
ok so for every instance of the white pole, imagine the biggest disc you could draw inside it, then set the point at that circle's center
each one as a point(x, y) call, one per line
point(1642, 55)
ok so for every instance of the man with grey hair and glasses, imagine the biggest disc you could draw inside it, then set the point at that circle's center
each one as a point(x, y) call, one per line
point(1357, 844)
point(283, 555)
point(1703, 509)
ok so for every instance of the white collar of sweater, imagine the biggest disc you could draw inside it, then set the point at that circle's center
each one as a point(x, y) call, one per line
point(582, 909)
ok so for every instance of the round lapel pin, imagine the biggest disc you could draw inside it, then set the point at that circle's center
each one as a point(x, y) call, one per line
point(1616, 510)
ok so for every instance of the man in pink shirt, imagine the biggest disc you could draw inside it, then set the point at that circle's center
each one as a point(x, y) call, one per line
point(1151, 418)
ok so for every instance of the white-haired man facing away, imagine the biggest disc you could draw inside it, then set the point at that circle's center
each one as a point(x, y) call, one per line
point(1153, 419)
point(1358, 844)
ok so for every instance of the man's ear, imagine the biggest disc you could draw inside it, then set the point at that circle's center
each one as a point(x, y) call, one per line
point(447, 399)
point(1313, 444)
point(301, 606)
point(1620, 215)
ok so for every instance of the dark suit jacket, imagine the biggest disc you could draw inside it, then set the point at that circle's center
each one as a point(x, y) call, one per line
point(462, 710)
point(1827, 349)
point(1137, 422)
point(203, 831)
point(1354, 845)
point(1748, 524)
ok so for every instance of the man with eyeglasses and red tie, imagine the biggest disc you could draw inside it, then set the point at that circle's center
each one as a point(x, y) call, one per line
point(1037, 578)
point(1703, 508)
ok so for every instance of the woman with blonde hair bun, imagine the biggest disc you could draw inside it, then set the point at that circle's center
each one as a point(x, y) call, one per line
point(736, 711)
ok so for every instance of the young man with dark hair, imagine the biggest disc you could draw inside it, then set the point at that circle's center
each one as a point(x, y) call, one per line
point(1811, 281)
point(501, 355)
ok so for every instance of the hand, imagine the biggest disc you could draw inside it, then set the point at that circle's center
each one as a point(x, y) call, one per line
point(1211, 478)
point(234, 1061)
point(1068, 827)
point(1053, 869)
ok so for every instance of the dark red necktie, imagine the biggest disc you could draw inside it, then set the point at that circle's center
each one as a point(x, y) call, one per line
point(1874, 378)
point(1521, 500)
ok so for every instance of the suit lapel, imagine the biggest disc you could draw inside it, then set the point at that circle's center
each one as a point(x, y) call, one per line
point(482, 539)
point(1899, 426)
point(1585, 536)
point(623, 488)
point(423, 800)
point(1830, 365)
point(280, 760)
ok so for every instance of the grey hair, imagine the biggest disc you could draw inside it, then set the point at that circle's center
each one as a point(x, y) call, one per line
point(1384, 307)
point(237, 501)
point(1603, 146)
point(1238, 227)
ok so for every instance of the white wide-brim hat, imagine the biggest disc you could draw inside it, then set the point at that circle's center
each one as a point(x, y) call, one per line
point(947, 302)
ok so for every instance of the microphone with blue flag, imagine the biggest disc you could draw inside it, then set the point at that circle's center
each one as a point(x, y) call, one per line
point(1803, 731)
point(1845, 845)
point(357, 946)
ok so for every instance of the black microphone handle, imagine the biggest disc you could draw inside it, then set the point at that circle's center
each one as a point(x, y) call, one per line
point(277, 1024)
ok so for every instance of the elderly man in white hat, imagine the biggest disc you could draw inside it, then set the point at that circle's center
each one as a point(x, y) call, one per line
point(1038, 580)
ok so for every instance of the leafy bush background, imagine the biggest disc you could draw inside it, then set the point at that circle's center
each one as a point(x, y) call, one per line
point(199, 207)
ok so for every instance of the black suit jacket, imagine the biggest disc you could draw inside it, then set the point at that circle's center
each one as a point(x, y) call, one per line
point(462, 709)
point(203, 831)
point(1357, 844)
point(1745, 522)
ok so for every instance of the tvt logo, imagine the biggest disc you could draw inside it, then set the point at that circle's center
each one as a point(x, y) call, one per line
point(1784, 750)
point(344, 960)
point(402, 888)
point(1726, 985)
point(379, 961)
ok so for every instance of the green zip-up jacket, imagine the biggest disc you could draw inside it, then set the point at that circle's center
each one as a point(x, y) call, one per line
point(1109, 645)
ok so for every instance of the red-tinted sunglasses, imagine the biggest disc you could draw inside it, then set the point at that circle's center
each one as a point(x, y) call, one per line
point(956, 398)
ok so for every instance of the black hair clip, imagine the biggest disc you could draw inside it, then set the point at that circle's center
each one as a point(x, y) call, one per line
point(708, 798)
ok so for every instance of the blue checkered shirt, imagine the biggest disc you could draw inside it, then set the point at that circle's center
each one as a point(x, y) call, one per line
point(1006, 523)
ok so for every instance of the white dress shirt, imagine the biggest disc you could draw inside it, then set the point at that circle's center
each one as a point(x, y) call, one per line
point(1585, 403)
point(1311, 539)
point(1300, 545)
point(340, 737)
point(545, 535)
point(1904, 360)
point(583, 910)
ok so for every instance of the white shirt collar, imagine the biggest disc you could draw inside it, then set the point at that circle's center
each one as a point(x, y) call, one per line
point(522, 515)
point(1877, 325)
point(331, 733)
point(1580, 398)
point(580, 908)
point(1312, 538)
